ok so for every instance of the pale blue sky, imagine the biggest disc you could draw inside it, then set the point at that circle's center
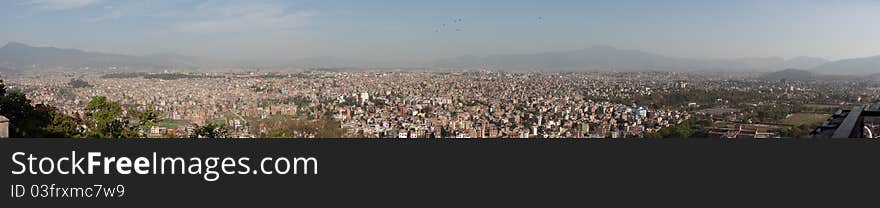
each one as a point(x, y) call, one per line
point(407, 30)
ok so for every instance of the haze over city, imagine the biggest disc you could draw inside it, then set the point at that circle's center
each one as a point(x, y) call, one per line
point(413, 33)
point(249, 90)
point(440, 69)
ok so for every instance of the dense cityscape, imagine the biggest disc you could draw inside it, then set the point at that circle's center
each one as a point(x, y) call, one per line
point(398, 102)
point(426, 103)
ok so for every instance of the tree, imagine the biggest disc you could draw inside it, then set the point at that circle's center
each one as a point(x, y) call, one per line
point(800, 131)
point(278, 133)
point(330, 128)
point(62, 125)
point(210, 130)
point(685, 129)
point(24, 120)
point(305, 128)
point(78, 83)
point(27, 120)
point(105, 117)
point(146, 119)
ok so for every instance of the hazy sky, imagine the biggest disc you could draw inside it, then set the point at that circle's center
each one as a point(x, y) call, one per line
point(407, 30)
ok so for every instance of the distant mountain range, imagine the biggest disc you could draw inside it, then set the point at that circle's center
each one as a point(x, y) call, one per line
point(595, 58)
point(798, 74)
point(604, 58)
point(856, 66)
point(790, 74)
point(330, 62)
point(21, 57)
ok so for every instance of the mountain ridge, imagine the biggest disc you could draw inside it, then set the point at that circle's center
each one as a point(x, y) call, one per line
point(16, 56)
point(614, 59)
point(22, 57)
point(853, 66)
point(805, 75)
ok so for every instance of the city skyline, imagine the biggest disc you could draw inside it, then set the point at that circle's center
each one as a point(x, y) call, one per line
point(329, 103)
point(280, 31)
point(452, 69)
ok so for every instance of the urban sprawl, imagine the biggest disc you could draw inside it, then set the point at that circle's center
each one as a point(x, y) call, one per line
point(456, 103)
